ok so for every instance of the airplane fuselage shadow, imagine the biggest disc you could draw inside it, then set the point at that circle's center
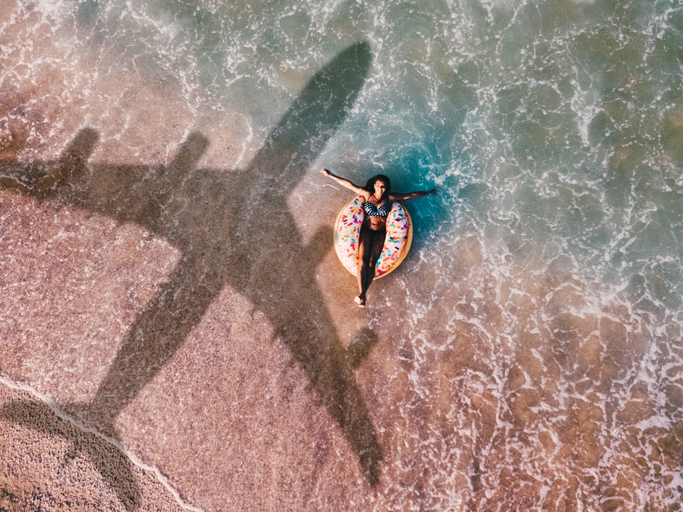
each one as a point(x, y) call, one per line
point(234, 228)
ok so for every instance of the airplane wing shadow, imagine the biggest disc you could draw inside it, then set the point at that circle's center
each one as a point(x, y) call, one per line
point(234, 229)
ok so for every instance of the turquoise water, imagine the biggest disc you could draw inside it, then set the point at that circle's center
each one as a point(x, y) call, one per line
point(519, 110)
point(542, 296)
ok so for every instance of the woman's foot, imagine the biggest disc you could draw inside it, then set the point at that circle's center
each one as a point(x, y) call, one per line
point(360, 301)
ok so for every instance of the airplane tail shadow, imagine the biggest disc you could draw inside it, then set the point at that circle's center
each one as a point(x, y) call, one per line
point(114, 466)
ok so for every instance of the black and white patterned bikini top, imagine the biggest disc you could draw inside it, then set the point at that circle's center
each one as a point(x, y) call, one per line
point(371, 210)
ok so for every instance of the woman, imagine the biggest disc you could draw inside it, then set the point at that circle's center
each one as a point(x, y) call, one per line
point(378, 200)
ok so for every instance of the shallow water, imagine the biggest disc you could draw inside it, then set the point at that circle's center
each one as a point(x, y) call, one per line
point(526, 355)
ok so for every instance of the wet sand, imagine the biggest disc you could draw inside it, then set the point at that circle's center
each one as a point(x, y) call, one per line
point(50, 464)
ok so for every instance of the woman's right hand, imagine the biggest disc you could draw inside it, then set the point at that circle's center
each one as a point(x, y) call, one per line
point(326, 172)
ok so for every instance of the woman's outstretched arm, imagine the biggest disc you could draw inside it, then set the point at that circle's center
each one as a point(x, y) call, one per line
point(400, 196)
point(343, 182)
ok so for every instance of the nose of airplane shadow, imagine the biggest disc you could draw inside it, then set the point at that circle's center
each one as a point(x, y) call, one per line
point(316, 114)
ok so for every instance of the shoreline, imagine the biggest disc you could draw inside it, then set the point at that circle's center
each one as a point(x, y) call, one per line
point(21, 487)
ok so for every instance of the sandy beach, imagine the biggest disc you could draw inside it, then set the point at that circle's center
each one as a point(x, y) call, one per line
point(50, 464)
point(176, 331)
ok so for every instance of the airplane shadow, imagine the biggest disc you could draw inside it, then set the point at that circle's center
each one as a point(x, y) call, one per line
point(116, 469)
point(234, 228)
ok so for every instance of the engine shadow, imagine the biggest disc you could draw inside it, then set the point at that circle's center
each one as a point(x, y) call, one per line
point(234, 228)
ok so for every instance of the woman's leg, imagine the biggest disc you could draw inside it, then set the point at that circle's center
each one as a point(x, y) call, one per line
point(369, 249)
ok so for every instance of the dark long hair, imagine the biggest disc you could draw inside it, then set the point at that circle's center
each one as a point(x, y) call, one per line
point(370, 185)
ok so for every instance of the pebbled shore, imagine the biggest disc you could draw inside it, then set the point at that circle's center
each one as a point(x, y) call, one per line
point(47, 463)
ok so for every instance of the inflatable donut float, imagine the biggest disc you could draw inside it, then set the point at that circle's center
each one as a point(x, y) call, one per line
point(396, 244)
